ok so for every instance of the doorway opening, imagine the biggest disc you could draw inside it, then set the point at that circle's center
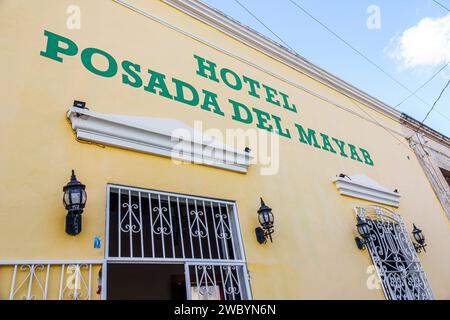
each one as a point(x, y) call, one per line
point(135, 281)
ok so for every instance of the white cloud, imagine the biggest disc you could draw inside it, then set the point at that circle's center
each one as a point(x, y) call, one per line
point(426, 44)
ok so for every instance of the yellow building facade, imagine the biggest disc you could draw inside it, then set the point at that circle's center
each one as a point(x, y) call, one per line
point(158, 77)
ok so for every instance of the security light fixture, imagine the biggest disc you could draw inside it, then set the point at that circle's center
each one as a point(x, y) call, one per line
point(74, 200)
point(419, 238)
point(79, 104)
point(265, 217)
point(364, 232)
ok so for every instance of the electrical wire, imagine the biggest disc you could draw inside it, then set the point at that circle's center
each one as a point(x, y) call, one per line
point(265, 26)
point(349, 45)
point(243, 60)
point(388, 131)
point(441, 5)
point(321, 75)
point(423, 85)
point(357, 51)
point(184, 32)
point(436, 101)
point(412, 93)
point(442, 115)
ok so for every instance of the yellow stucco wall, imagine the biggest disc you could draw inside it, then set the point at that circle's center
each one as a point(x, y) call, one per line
point(313, 254)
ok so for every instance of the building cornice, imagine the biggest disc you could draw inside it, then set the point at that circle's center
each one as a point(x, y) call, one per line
point(254, 39)
point(418, 126)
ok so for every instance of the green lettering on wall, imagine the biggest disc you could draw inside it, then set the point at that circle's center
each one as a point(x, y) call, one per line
point(237, 107)
point(286, 103)
point(181, 88)
point(131, 77)
point(86, 58)
point(307, 138)
point(367, 159)
point(263, 117)
point(326, 145)
point(57, 47)
point(353, 154)
point(237, 85)
point(270, 95)
point(54, 48)
point(253, 85)
point(157, 81)
point(341, 145)
point(210, 99)
point(280, 130)
point(206, 68)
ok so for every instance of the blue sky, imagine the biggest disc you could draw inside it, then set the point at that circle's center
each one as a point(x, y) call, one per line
point(410, 41)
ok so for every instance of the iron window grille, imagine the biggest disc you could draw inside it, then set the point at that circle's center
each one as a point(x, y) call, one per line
point(203, 234)
point(393, 254)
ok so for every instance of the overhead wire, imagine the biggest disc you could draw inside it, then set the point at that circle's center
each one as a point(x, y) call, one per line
point(441, 5)
point(436, 101)
point(423, 85)
point(262, 23)
point(321, 75)
point(357, 51)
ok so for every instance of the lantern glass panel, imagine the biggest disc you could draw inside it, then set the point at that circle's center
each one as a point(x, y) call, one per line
point(419, 236)
point(271, 217)
point(261, 218)
point(84, 196)
point(75, 196)
point(363, 229)
point(66, 198)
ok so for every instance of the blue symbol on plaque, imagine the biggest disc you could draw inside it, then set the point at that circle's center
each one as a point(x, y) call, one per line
point(97, 242)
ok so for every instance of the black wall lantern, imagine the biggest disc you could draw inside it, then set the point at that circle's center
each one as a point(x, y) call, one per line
point(419, 238)
point(364, 232)
point(265, 217)
point(74, 200)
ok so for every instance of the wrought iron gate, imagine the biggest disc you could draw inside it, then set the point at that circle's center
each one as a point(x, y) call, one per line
point(203, 234)
point(394, 256)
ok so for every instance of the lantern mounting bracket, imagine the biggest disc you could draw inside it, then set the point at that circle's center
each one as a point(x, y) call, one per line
point(360, 243)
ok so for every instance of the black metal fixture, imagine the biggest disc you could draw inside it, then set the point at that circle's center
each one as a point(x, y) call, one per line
point(343, 175)
point(74, 200)
point(79, 104)
point(265, 217)
point(364, 232)
point(419, 238)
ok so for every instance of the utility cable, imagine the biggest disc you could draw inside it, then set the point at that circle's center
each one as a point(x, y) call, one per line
point(423, 85)
point(441, 5)
point(265, 26)
point(436, 101)
point(356, 50)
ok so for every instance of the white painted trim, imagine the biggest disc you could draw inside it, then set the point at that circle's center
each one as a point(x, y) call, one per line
point(156, 136)
point(170, 194)
point(362, 187)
